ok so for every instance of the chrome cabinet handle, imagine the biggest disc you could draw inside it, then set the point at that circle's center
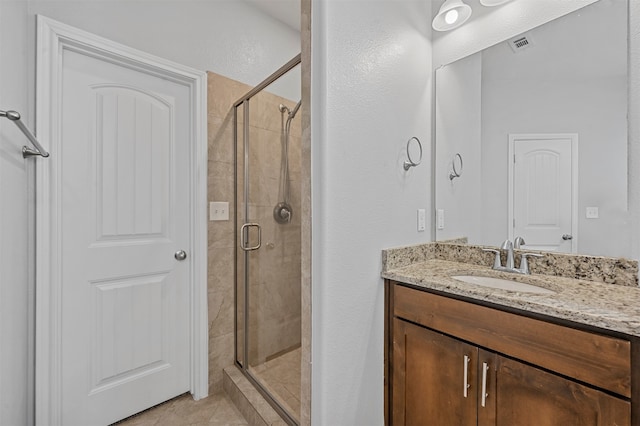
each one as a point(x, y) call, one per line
point(244, 239)
point(466, 384)
point(180, 255)
point(567, 237)
point(485, 369)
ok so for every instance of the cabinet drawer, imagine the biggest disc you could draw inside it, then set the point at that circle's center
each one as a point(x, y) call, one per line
point(599, 360)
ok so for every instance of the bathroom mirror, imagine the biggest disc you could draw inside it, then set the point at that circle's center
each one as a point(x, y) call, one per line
point(541, 121)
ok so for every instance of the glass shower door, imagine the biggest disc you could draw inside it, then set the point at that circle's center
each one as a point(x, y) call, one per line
point(268, 239)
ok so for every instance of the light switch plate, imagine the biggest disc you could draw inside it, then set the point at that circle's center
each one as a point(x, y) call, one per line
point(218, 210)
point(592, 213)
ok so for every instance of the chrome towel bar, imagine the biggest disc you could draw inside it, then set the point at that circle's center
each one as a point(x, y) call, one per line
point(26, 151)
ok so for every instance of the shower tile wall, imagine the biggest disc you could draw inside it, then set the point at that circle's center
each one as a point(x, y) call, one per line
point(275, 268)
point(222, 92)
point(277, 321)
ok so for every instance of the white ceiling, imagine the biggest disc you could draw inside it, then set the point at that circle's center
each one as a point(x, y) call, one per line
point(285, 11)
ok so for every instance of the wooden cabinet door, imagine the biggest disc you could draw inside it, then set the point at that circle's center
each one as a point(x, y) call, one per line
point(429, 378)
point(527, 396)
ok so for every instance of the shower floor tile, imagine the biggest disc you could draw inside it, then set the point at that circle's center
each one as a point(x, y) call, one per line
point(281, 377)
point(216, 410)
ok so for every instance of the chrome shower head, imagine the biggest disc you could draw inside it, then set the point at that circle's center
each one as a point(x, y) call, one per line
point(295, 109)
point(291, 113)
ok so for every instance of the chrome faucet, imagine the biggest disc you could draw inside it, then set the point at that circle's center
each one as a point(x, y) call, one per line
point(510, 264)
point(508, 246)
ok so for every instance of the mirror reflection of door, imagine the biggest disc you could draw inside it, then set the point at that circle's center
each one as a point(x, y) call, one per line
point(543, 195)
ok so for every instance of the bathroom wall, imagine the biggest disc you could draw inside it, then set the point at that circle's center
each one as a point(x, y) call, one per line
point(634, 123)
point(275, 268)
point(459, 122)
point(16, 223)
point(371, 92)
point(228, 37)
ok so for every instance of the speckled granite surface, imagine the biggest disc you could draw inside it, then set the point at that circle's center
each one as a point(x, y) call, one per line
point(599, 304)
point(609, 270)
point(404, 256)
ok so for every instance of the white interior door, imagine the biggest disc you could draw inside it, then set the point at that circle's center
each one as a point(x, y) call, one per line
point(543, 194)
point(124, 209)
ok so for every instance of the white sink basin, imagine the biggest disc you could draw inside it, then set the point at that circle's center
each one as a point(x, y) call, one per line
point(502, 284)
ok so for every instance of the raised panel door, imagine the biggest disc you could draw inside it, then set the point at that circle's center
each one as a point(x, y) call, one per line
point(528, 396)
point(543, 192)
point(124, 213)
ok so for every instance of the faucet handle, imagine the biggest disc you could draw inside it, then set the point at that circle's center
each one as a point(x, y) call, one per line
point(524, 262)
point(496, 261)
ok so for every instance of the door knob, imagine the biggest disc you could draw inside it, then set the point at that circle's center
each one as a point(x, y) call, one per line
point(180, 255)
point(567, 237)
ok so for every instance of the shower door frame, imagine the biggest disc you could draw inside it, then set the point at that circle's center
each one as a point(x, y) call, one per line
point(244, 103)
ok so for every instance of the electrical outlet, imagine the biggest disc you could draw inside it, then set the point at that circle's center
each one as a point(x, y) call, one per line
point(440, 219)
point(592, 213)
point(218, 210)
point(421, 220)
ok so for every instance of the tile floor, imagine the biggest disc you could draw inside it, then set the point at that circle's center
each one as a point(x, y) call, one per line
point(281, 376)
point(216, 410)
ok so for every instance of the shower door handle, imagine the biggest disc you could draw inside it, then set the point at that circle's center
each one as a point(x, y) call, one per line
point(244, 237)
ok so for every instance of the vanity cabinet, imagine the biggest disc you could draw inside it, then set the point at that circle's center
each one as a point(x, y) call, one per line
point(452, 362)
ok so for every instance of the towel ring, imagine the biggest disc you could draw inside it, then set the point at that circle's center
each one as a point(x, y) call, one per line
point(457, 171)
point(411, 163)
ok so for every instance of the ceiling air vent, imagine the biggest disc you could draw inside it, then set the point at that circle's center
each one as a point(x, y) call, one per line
point(521, 42)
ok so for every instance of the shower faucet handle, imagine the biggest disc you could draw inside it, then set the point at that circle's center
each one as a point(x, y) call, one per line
point(282, 212)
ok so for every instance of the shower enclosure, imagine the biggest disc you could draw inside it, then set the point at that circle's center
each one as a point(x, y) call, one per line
point(267, 138)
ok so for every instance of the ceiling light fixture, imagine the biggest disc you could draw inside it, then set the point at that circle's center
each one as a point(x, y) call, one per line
point(452, 14)
point(491, 3)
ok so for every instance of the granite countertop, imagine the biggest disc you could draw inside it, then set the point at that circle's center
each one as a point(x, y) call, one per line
point(607, 306)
